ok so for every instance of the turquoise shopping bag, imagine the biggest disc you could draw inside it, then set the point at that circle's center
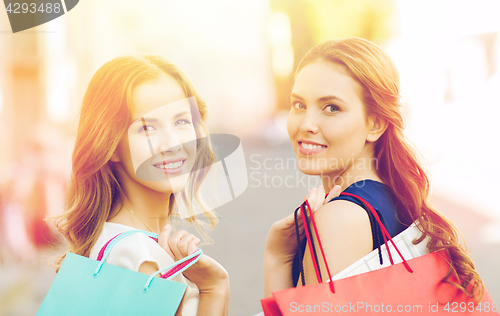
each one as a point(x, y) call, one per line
point(85, 286)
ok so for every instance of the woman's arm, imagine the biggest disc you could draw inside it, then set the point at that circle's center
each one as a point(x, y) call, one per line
point(281, 244)
point(213, 282)
point(209, 276)
point(279, 252)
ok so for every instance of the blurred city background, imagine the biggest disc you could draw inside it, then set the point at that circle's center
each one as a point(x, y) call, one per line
point(240, 55)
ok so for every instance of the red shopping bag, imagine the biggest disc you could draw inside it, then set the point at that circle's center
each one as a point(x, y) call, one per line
point(412, 287)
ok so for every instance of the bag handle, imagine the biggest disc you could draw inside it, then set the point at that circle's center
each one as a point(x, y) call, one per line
point(112, 242)
point(373, 224)
point(104, 252)
point(172, 270)
point(308, 210)
point(176, 268)
point(384, 231)
point(299, 245)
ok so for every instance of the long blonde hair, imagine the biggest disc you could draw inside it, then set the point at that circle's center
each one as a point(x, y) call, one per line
point(398, 165)
point(104, 118)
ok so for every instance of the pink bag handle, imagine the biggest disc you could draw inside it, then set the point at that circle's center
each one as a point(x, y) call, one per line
point(103, 248)
point(153, 236)
point(384, 231)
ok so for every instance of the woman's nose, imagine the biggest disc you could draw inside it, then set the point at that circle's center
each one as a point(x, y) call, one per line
point(309, 123)
point(170, 143)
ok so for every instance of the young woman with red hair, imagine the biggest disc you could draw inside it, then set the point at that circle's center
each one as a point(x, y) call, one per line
point(139, 150)
point(345, 126)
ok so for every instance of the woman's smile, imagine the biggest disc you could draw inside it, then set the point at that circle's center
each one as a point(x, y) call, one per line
point(171, 166)
point(310, 148)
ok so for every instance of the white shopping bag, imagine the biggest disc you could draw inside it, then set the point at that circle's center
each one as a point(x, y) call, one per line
point(371, 262)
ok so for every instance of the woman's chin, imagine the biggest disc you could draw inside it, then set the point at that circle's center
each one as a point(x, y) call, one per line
point(311, 171)
point(178, 183)
point(170, 185)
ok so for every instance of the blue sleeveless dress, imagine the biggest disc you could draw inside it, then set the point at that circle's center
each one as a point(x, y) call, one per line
point(380, 197)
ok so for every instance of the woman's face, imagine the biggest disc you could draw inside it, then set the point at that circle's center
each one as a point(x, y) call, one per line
point(159, 150)
point(327, 124)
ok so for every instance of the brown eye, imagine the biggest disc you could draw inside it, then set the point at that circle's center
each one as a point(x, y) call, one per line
point(298, 106)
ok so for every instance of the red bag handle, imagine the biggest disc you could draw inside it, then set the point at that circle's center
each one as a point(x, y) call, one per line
point(315, 263)
point(384, 231)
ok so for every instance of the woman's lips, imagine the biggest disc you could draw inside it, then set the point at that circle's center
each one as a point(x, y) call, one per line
point(309, 148)
point(172, 167)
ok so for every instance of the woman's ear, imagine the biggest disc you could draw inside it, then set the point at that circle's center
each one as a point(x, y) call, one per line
point(114, 157)
point(378, 128)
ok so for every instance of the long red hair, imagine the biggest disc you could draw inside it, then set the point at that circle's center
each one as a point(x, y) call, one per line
point(398, 166)
point(105, 116)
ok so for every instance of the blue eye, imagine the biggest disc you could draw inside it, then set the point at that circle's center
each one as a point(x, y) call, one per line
point(182, 122)
point(330, 108)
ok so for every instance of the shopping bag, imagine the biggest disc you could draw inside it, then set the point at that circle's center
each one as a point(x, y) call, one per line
point(412, 287)
point(85, 286)
point(370, 262)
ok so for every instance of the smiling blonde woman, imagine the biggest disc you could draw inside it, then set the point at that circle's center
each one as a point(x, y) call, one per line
point(142, 113)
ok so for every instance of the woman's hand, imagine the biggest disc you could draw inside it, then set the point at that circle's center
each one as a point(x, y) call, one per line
point(281, 243)
point(209, 276)
point(281, 240)
point(180, 245)
point(206, 273)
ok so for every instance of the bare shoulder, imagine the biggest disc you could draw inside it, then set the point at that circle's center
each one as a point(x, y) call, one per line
point(346, 224)
point(345, 231)
point(341, 212)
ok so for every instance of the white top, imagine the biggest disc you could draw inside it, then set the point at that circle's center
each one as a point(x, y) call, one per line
point(132, 251)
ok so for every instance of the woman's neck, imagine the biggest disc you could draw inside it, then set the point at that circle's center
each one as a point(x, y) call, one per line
point(362, 168)
point(143, 208)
